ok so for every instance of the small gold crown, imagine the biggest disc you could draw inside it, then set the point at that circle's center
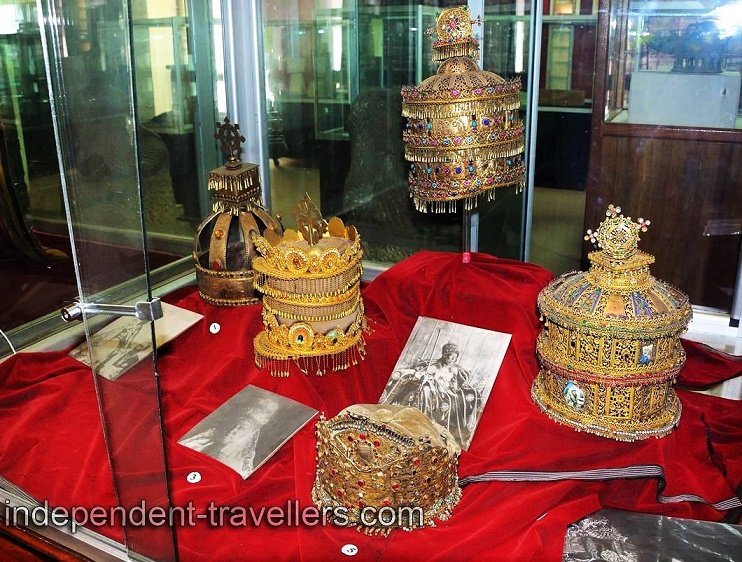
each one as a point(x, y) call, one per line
point(386, 457)
point(312, 308)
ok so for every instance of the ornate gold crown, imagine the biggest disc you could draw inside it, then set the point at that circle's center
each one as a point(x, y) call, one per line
point(312, 306)
point(380, 458)
point(223, 249)
point(610, 350)
point(463, 135)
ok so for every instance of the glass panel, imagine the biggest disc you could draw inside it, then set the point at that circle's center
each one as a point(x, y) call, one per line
point(691, 51)
point(177, 81)
point(106, 154)
point(334, 72)
point(562, 146)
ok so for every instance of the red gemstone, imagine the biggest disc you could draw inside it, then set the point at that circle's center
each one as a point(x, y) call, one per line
point(360, 483)
point(216, 266)
point(350, 438)
point(416, 461)
point(377, 443)
point(395, 485)
point(361, 436)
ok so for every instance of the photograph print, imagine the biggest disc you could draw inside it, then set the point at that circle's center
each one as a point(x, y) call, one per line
point(447, 370)
point(248, 429)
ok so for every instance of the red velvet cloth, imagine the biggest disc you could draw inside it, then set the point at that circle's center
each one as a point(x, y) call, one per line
point(52, 444)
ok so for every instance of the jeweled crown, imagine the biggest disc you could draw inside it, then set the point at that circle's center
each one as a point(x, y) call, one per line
point(385, 457)
point(610, 350)
point(464, 136)
point(312, 307)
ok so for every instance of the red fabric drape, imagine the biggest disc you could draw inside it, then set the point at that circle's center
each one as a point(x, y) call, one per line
point(52, 443)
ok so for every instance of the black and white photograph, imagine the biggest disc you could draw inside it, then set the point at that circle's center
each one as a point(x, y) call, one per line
point(248, 429)
point(447, 370)
point(126, 341)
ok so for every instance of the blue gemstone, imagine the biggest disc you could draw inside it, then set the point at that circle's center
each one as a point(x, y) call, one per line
point(300, 338)
point(429, 126)
point(473, 124)
point(458, 169)
point(486, 122)
point(510, 161)
point(428, 170)
point(471, 169)
point(419, 126)
point(446, 142)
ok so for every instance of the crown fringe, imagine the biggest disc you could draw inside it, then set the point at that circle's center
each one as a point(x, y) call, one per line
point(317, 364)
point(469, 49)
point(490, 152)
point(469, 202)
point(438, 108)
point(234, 182)
point(234, 208)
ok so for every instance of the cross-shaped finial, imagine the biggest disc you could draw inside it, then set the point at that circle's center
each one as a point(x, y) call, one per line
point(230, 140)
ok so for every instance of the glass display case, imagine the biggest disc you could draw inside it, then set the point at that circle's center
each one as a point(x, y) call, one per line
point(665, 126)
point(690, 51)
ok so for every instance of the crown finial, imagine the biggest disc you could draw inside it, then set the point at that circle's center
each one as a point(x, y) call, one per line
point(455, 34)
point(617, 236)
point(230, 140)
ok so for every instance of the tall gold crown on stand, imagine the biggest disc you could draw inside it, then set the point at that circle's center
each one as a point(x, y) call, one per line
point(610, 349)
point(387, 467)
point(463, 136)
point(311, 284)
point(223, 249)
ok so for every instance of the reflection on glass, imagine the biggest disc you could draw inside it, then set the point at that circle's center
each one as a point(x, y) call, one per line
point(172, 98)
point(334, 72)
point(690, 51)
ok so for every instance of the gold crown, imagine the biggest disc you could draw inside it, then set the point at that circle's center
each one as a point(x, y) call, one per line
point(463, 135)
point(610, 350)
point(312, 311)
point(382, 458)
point(223, 249)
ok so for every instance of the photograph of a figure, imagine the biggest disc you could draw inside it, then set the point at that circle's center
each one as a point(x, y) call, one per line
point(248, 429)
point(126, 341)
point(447, 370)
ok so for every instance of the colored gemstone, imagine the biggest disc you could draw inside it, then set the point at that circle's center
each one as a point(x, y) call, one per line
point(458, 169)
point(457, 140)
point(455, 93)
point(377, 443)
point(395, 486)
point(362, 436)
point(416, 461)
point(486, 122)
point(300, 338)
point(361, 483)
point(216, 266)
point(218, 234)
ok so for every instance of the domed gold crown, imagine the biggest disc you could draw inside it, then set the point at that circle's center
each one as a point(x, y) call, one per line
point(610, 350)
point(222, 248)
point(312, 307)
point(463, 136)
point(391, 461)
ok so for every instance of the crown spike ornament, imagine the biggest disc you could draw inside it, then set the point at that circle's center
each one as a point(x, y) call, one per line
point(610, 349)
point(463, 135)
point(223, 249)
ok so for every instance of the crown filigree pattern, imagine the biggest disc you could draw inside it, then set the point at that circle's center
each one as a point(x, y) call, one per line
point(610, 350)
point(384, 456)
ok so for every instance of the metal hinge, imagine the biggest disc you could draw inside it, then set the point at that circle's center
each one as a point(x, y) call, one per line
point(146, 311)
